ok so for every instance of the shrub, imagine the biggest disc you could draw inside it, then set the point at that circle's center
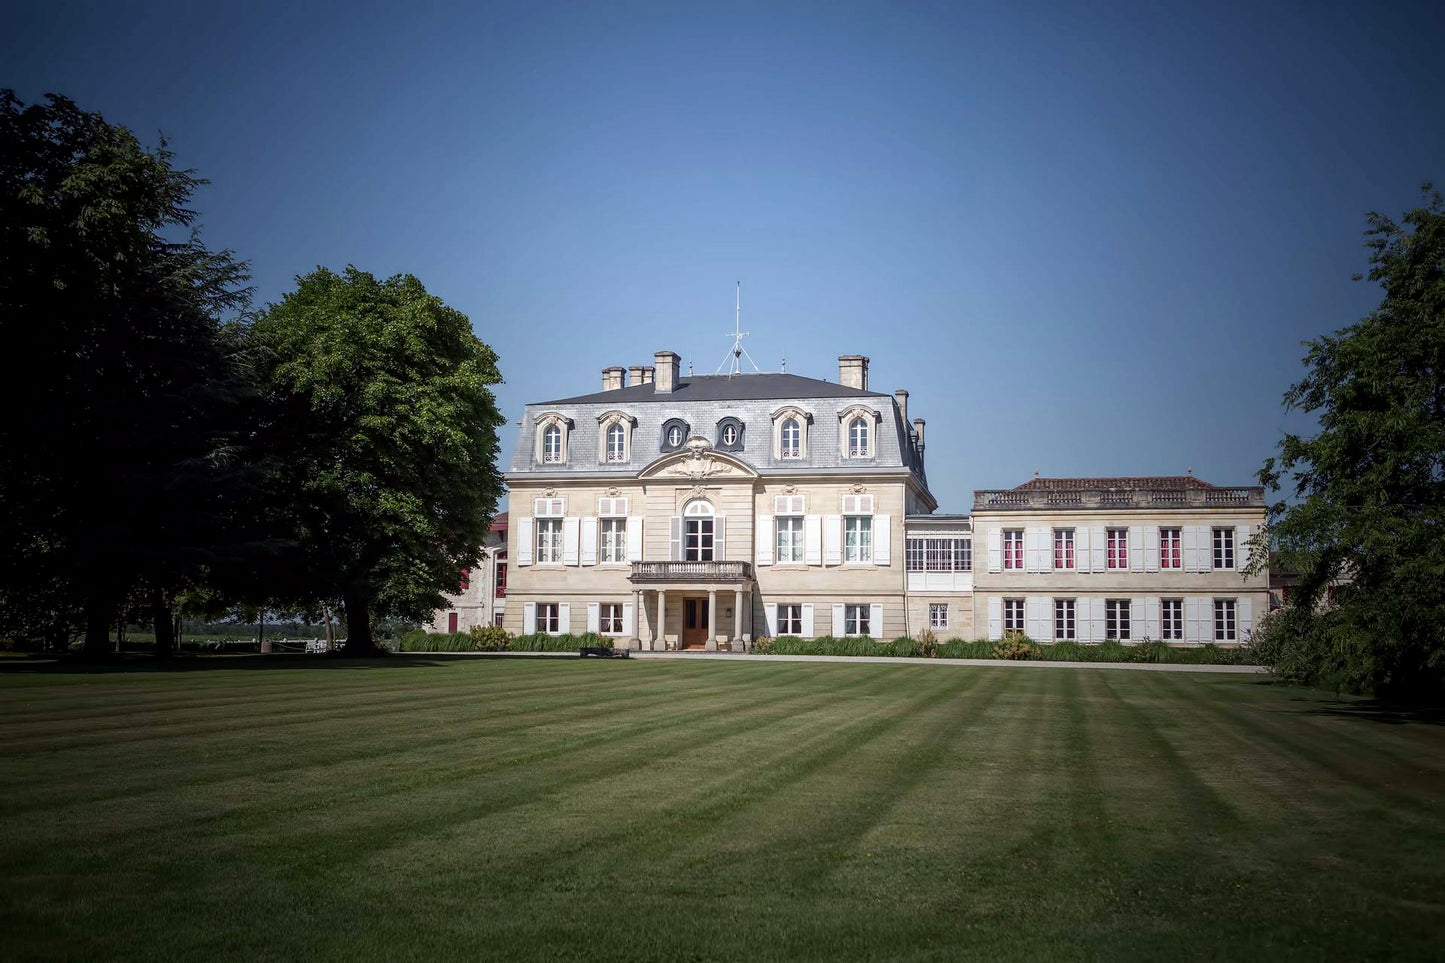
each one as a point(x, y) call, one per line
point(1017, 647)
point(490, 638)
point(541, 642)
point(762, 645)
point(420, 640)
point(965, 649)
point(928, 644)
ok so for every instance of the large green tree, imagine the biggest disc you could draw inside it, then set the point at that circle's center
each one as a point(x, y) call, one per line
point(380, 420)
point(1367, 527)
point(121, 382)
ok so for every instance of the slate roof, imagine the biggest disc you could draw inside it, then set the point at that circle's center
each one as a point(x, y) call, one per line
point(1144, 483)
point(740, 387)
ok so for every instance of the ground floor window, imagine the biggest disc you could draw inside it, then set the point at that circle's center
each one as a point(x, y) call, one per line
point(549, 617)
point(1116, 619)
point(856, 620)
point(1224, 623)
point(1171, 619)
point(497, 620)
point(1013, 615)
point(610, 618)
point(790, 619)
point(1064, 624)
point(938, 615)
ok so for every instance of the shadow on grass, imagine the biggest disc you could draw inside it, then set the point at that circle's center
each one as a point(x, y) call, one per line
point(34, 664)
point(1390, 713)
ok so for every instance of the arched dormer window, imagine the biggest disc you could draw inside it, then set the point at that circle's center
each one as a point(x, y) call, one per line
point(553, 432)
point(674, 434)
point(614, 437)
point(858, 435)
point(790, 433)
point(729, 435)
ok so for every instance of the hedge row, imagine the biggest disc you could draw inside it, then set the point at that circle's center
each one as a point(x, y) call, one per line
point(1015, 648)
point(489, 638)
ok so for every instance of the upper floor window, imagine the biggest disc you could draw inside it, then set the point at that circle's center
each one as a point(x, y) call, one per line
point(616, 443)
point(614, 437)
point(939, 554)
point(1224, 548)
point(552, 444)
point(698, 531)
point(730, 435)
point(552, 432)
point(674, 434)
point(1013, 548)
point(790, 432)
point(1118, 556)
point(858, 538)
point(792, 439)
point(1170, 555)
point(1064, 549)
point(858, 438)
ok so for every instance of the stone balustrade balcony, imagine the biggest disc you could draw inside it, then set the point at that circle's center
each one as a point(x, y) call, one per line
point(662, 573)
point(1071, 499)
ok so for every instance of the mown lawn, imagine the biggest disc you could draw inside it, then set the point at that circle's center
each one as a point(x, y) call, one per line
point(432, 807)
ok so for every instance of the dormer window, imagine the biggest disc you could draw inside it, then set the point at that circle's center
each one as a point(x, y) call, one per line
point(858, 438)
point(551, 444)
point(552, 432)
point(857, 430)
point(792, 446)
point(614, 437)
point(674, 434)
point(730, 435)
point(790, 433)
point(616, 443)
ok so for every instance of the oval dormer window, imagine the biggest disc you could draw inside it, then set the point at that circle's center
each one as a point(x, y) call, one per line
point(730, 434)
point(674, 437)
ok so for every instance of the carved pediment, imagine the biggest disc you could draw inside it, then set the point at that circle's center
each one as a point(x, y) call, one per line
point(696, 462)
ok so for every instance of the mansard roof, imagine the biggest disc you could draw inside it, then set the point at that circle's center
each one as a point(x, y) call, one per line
point(1131, 483)
point(738, 387)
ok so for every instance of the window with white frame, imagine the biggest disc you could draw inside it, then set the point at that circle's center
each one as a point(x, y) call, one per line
point(790, 619)
point(1171, 619)
point(1224, 620)
point(610, 618)
point(697, 526)
point(549, 617)
point(616, 442)
point(1063, 548)
point(549, 540)
point(1013, 548)
point(791, 443)
point(613, 536)
point(1118, 548)
point(938, 615)
point(790, 538)
point(859, 445)
point(857, 538)
point(1224, 548)
point(552, 450)
point(1065, 628)
point(730, 434)
point(1170, 554)
point(1116, 618)
point(939, 554)
point(857, 620)
point(1013, 615)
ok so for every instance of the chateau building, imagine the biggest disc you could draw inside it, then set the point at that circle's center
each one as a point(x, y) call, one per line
point(671, 511)
point(482, 599)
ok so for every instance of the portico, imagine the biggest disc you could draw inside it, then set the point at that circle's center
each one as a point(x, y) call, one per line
point(697, 604)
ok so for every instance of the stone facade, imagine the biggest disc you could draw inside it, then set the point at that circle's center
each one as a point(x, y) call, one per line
point(483, 598)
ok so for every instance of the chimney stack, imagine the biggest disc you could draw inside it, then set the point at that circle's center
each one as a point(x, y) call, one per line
point(612, 378)
point(667, 372)
point(634, 375)
point(901, 396)
point(853, 371)
point(918, 430)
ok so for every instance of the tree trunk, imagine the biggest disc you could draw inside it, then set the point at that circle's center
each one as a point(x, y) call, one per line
point(261, 632)
point(358, 624)
point(97, 626)
point(164, 625)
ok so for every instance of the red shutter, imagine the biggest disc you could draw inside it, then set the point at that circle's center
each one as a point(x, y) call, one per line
point(466, 579)
point(451, 621)
point(501, 580)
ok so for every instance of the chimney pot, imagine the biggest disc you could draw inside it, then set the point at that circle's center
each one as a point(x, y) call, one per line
point(918, 430)
point(612, 378)
point(901, 396)
point(853, 371)
point(667, 372)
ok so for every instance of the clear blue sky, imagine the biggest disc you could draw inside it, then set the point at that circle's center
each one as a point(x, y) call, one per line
point(1088, 238)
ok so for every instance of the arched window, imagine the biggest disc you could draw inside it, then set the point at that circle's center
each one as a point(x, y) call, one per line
point(698, 531)
point(858, 438)
point(552, 444)
point(616, 443)
point(792, 440)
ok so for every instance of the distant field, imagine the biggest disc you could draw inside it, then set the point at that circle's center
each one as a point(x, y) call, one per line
point(430, 807)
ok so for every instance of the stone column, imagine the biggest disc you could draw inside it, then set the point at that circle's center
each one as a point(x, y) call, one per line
point(659, 632)
point(737, 641)
point(711, 621)
point(637, 614)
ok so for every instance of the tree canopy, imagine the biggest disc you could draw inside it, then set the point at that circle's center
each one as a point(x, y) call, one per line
point(379, 418)
point(1366, 532)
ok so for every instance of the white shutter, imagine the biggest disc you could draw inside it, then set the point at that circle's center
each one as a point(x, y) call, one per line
point(1151, 617)
point(813, 539)
point(1204, 538)
point(765, 541)
point(720, 537)
point(1192, 628)
point(1189, 535)
point(883, 539)
point(1081, 620)
point(1046, 551)
point(1241, 547)
point(589, 541)
point(1035, 613)
point(875, 622)
point(1151, 550)
point(529, 618)
point(1031, 550)
point(524, 541)
point(1139, 619)
point(1136, 548)
point(995, 550)
point(770, 612)
point(995, 619)
point(674, 539)
point(1244, 621)
point(564, 618)
point(807, 620)
point(569, 540)
point(594, 617)
point(628, 628)
point(840, 627)
point(634, 539)
point(832, 540)
point(1098, 626)
point(1098, 542)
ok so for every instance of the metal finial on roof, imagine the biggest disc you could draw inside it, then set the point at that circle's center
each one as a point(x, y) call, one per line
point(1188, 471)
point(784, 368)
point(1036, 473)
point(738, 352)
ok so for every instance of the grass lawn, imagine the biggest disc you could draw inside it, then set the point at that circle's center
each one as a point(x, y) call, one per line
point(424, 806)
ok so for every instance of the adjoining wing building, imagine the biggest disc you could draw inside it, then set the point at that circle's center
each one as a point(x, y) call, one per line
point(704, 511)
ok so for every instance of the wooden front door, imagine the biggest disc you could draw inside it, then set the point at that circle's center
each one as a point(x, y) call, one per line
point(694, 622)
